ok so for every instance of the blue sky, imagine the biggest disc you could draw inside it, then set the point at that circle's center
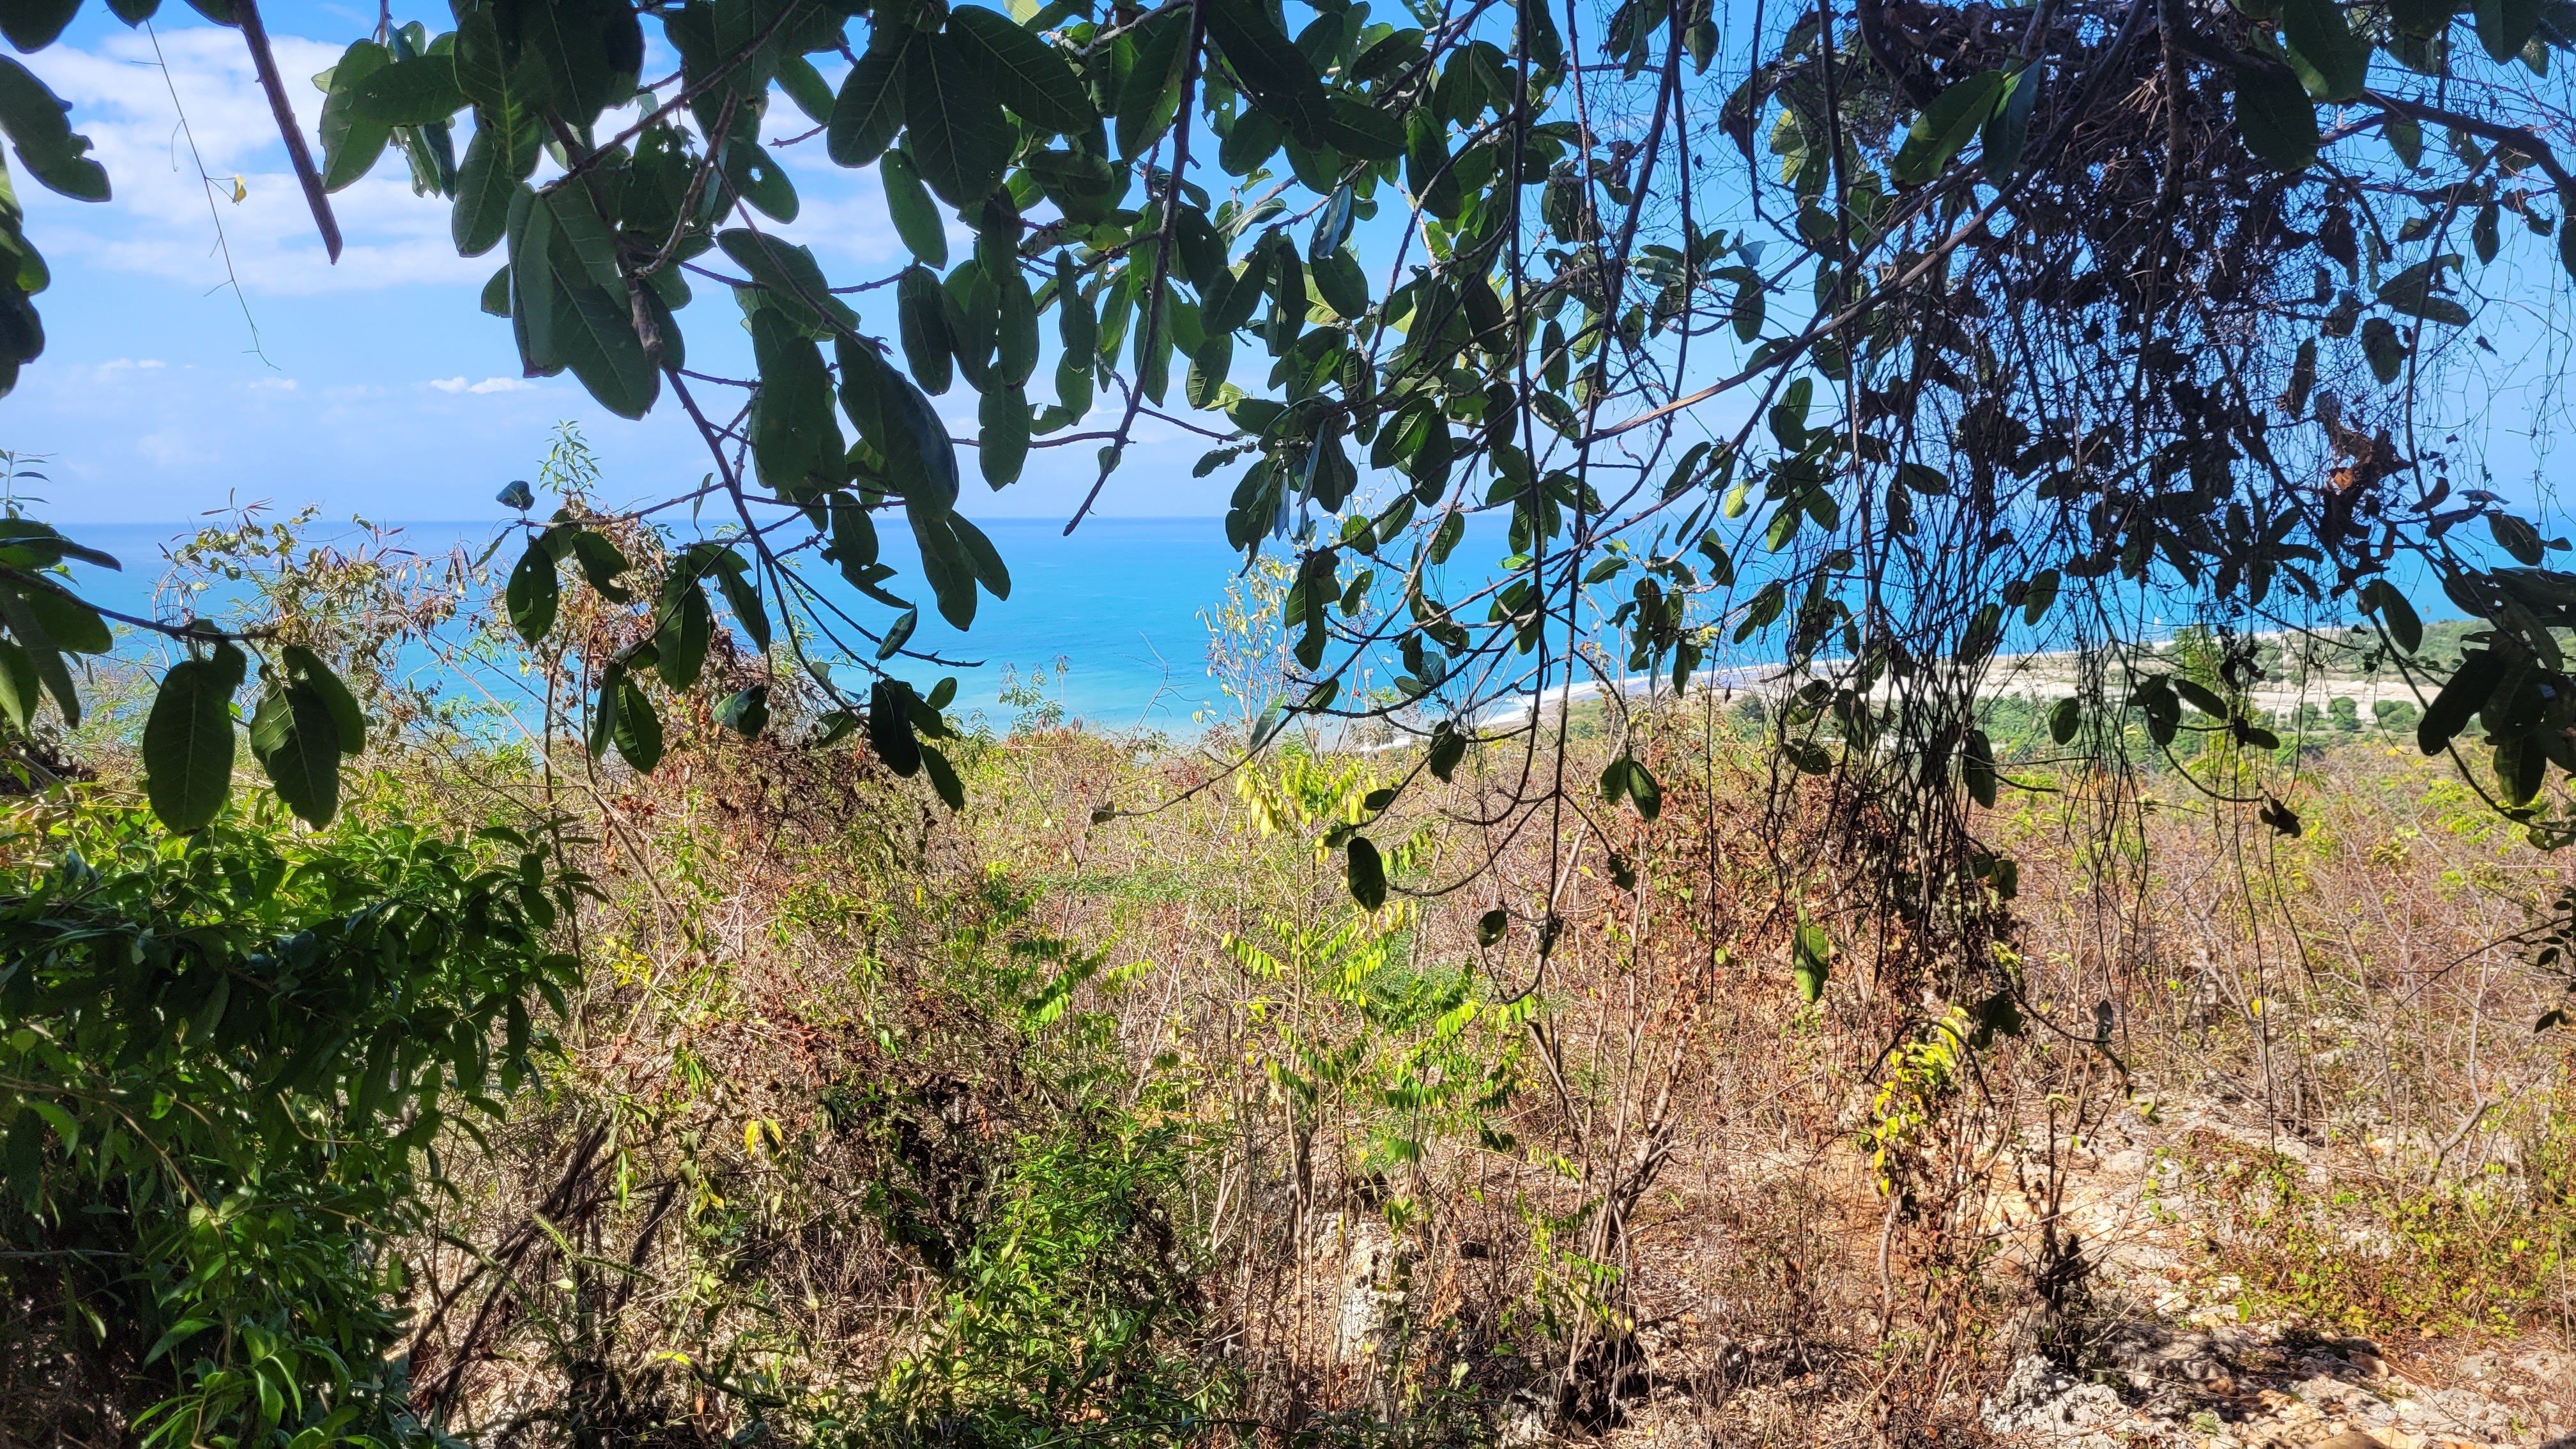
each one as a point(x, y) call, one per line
point(376, 386)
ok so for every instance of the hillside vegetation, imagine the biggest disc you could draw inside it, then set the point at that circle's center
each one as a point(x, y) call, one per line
point(766, 1099)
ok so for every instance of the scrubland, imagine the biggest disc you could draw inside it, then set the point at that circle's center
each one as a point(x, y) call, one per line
point(1100, 1112)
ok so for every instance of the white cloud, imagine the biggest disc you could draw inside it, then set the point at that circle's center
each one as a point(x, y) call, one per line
point(159, 221)
point(168, 449)
point(487, 385)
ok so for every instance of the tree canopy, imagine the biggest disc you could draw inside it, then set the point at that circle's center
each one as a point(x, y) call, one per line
point(1883, 336)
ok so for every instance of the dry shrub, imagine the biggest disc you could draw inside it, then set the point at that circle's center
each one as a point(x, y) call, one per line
point(1405, 1184)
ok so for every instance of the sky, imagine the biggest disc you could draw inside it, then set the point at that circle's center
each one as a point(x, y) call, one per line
point(375, 386)
point(378, 386)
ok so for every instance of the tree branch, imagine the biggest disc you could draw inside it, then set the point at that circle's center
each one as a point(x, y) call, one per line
point(284, 110)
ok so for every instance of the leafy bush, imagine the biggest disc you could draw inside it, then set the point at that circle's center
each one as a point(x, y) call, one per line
point(1045, 1189)
point(224, 1061)
point(2386, 1255)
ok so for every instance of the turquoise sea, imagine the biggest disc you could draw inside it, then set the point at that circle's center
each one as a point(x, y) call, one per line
point(1118, 604)
point(1110, 617)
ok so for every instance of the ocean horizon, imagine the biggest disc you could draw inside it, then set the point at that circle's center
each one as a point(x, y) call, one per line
point(1110, 615)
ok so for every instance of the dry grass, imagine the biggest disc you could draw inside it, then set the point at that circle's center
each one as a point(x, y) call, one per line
point(821, 1058)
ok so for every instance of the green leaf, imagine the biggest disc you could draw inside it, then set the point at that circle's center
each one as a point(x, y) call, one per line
point(2041, 593)
point(2318, 35)
point(484, 186)
point(532, 283)
point(746, 711)
point(39, 126)
point(349, 724)
point(2064, 718)
point(1355, 128)
point(793, 280)
point(1151, 95)
point(188, 745)
point(1367, 871)
point(21, 693)
point(916, 216)
point(2518, 537)
point(1205, 386)
point(1016, 332)
point(71, 625)
point(890, 734)
point(296, 740)
point(1249, 144)
point(603, 715)
point(1339, 278)
point(943, 777)
point(2385, 349)
point(2462, 696)
point(351, 143)
point(945, 564)
point(1977, 766)
point(1614, 778)
point(1280, 78)
point(1945, 126)
point(807, 88)
point(579, 232)
point(1491, 925)
point(1644, 791)
point(899, 633)
point(2007, 132)
point(601, 562)
point(636, 729)
point(533, 594)
point(1386, 56)
point(2382, 598)
point(870, 108)
point(685, 626)
point(2521, 768)
point(1004, 444)
point(594, 335)
point(921, 320)
point(743, 598)
point(1448, 745)
point(31, 25)
point(958, 131)
point(796, 445)
point(2405, 137)
point(2200, 697)
point(921, 462)
point(1085, 187)
point(590, 52)
point(1029, 75)
point(179, 1333)
point(2274, 115)
point(1813, 953)
point(1428, 173)
point(2407, 290)
point(42, 653)
point(416, 92)
point(2506, 26)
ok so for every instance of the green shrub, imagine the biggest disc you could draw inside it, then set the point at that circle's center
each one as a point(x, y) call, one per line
point(224, 1059)
point(2380, 1256)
